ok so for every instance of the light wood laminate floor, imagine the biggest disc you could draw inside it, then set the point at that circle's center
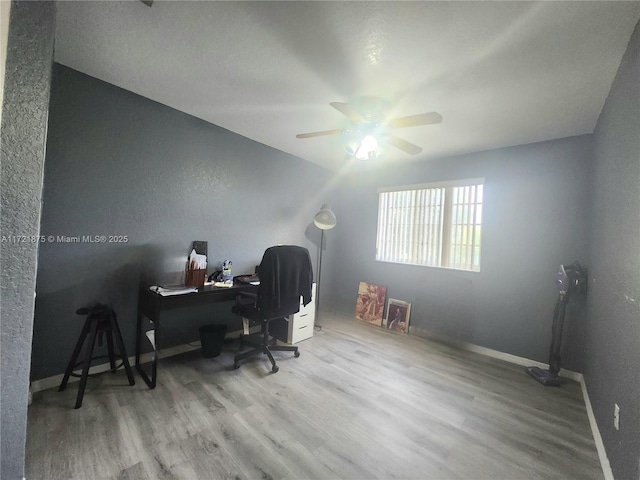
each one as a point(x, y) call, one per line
point(360, 402)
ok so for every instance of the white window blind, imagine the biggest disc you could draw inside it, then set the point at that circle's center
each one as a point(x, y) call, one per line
point(466, 227)
point(431, 225)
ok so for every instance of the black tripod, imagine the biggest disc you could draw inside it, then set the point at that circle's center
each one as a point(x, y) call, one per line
point(101, 320)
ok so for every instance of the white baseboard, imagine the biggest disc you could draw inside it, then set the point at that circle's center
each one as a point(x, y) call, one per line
point(602, 453)
point(525, 362)
point(489, 352)
point(54, 381)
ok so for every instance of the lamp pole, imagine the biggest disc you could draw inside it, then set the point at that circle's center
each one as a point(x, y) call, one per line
point(318, 281)
point(325, 219)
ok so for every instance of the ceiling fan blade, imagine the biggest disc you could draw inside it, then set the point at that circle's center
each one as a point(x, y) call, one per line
point(320, 134)
point(348, 110)
point(415, 120)
point(403, 145)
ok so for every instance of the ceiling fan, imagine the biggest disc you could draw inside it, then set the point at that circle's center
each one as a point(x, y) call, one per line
point(369, 121)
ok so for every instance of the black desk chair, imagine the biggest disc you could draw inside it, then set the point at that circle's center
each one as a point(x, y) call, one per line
point(285, 275)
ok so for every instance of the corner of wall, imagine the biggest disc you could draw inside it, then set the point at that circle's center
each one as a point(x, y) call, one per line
point(5, 12)
point(24, 128)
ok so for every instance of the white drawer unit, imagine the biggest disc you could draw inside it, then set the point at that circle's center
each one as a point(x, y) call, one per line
point(298, 326)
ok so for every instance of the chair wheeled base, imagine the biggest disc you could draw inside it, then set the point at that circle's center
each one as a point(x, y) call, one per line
point(266, 346)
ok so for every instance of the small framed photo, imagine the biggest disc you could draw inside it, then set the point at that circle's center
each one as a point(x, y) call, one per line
point(398, 315)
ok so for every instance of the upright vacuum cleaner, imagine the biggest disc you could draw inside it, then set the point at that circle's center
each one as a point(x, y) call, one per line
point(569, 279)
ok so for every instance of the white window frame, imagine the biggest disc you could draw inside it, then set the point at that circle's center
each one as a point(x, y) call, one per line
point(440, 240)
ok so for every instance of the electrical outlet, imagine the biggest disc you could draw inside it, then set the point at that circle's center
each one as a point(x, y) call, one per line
point(616, 416)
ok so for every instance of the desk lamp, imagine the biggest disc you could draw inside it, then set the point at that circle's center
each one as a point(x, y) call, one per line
point(325, 219)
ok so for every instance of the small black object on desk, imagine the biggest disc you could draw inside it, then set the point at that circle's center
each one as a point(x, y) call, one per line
point(248, 279)
point(101, 320)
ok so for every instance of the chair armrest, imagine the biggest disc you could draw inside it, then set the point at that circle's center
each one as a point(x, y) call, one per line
point(245, 305)
point(246, 297)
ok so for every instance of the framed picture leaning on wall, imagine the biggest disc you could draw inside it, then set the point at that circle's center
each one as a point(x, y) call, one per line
point(370, 302)
point(398, 315)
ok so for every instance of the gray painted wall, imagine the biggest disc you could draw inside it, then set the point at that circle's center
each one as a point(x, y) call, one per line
point(24, 125)
point(120, 164)
point(612, 350)
point(534, 219)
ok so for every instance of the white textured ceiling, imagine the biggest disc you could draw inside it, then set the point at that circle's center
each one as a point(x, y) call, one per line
point(500, 73)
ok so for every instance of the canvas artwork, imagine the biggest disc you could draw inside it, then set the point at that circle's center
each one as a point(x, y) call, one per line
point(398, 315)
point(370, 302)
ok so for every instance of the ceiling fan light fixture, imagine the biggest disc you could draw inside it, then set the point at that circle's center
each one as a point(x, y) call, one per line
point(367, 148)
point(351, 148)
point(369, 143)
point(362, 154)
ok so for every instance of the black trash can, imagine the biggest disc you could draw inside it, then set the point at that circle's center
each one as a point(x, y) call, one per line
point(212, 339)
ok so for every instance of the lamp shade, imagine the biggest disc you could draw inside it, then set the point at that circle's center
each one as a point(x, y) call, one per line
point(325, 219)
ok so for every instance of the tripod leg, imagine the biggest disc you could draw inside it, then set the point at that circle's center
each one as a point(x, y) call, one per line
point(87, 362)
point(74, 355)
point(125, 361)
point(110, 350)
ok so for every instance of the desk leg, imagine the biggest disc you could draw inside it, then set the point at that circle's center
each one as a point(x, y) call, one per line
point(151, 382)
point(138, 339)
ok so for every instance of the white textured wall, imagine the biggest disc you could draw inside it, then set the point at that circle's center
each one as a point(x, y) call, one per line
point(5, 10)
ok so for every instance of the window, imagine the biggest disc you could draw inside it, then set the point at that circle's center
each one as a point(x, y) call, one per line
point(438, 224)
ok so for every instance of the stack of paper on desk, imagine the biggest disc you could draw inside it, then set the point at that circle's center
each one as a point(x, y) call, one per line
point(197, 261)
point(166, 291)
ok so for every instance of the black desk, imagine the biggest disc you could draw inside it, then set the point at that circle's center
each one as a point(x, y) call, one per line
point(151, 305)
